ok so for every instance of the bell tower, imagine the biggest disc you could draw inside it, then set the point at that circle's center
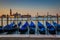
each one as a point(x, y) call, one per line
point(10, 12)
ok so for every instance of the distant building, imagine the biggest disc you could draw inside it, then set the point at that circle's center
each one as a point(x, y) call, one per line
point(53, 16)
point(14, 15)
point(40, 16)
point(17, 14)
point(49, 16)
point(10, 12)
point(25, 16)
point(4, 16)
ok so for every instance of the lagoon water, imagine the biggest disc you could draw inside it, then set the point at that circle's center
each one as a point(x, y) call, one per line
point(23, 20)
point(16, 20)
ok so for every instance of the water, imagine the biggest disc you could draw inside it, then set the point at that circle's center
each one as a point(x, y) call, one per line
point(17, 20)
point(29, 19)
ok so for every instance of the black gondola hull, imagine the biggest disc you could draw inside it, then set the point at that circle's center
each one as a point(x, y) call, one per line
point(42, 32)
point(32, 31)
point(1, 31)
point(11, 30)
point(58, 28)
point(23, 31)
point(52, 32)
point(51, 29)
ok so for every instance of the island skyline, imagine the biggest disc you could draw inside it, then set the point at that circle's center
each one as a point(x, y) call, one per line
point(30, 6)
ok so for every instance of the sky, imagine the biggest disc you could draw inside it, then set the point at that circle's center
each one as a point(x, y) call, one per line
point(30, 6)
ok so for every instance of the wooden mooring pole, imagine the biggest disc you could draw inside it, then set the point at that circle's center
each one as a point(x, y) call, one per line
point(1, 21)
point(7, 19)
point(57, 18)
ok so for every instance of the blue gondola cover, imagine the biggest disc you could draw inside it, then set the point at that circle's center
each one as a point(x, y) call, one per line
point(32, 24)
point(49, 25)
point(41, 28)
point(57, 26)
point(32, 28)
point(50, 28)
point(9, 26)
point(24, 26)
point(40, 25)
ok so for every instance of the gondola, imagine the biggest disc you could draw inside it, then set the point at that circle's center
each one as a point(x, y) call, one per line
point(10, 28)
point(41, 28)
point(24, 28)
point(57, 26)
point(1, 29)
point(50, 28)
point(32, 28)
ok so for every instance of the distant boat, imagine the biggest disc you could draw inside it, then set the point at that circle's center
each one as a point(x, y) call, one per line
point(57, 26)
point(41, 28)
point(32, 28)
point(24, 28)
point(50, 28)
point(10, 27)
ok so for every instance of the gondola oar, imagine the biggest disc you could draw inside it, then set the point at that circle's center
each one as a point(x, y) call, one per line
point(41, 28)
point(32, 28)
point(57, 26)
point(24, 28)
point(50, 28)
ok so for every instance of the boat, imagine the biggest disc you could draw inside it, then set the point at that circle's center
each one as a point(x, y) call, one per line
point(10, 28)
point(41, 28)
point(32, 28)
point(57, 26)
point(24, 28)
point(1, 29)
point(50, 28)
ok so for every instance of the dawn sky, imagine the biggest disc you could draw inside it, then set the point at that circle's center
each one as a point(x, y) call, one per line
point(30, 6)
